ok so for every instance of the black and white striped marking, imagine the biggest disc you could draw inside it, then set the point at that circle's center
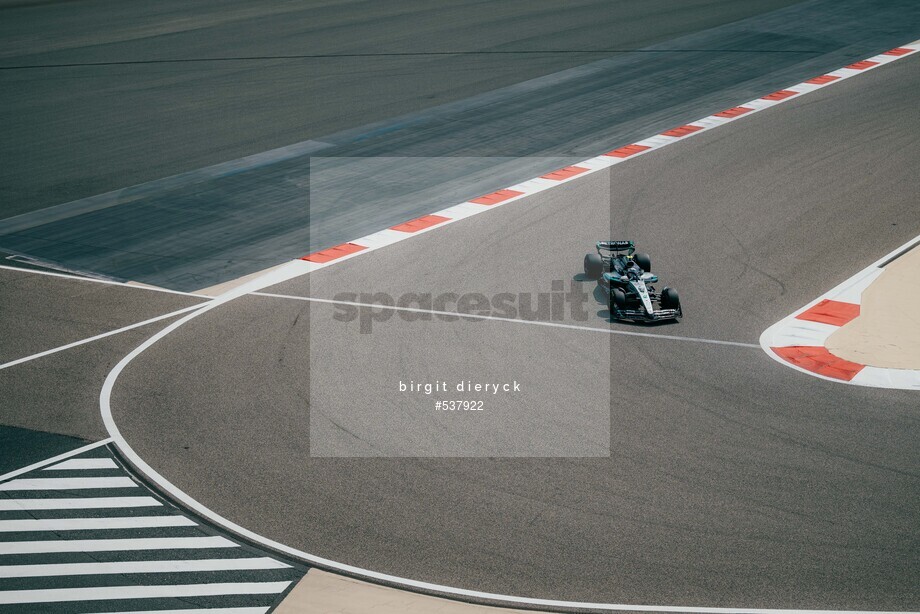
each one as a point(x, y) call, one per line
point(81, 536)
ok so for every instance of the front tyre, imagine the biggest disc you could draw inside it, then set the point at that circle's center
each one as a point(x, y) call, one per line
point(670, 299)
point(594, 266)
point(617, 301)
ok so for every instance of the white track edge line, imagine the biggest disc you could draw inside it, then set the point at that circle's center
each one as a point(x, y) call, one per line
point(108, 282)
point(473, 316)
point(266, 281)
point(110, 333)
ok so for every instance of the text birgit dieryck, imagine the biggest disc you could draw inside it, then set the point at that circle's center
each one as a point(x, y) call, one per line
point(461, 386)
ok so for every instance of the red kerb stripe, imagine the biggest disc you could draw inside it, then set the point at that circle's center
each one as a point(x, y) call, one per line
point(629, 150)
point(426, 221)
point(822, 79)
point(734, 112)
point(565, 173)
point(780, 95)
point(862, 65)
point(818, 360)
point(334, 253)
point(682, 130)
point(496, 197)
point(835, 313)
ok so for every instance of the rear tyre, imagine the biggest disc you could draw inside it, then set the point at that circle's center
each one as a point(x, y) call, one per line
point(669, 299)
point(644, 261)
point(594, 266)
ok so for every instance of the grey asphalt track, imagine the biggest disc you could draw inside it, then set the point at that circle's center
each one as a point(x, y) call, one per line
point(59, 393)
point(42, 312)
point(80, 130)
point(731, 481)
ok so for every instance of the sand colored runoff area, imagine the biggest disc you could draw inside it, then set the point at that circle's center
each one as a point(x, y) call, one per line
point(321, 592)
point(887, 331)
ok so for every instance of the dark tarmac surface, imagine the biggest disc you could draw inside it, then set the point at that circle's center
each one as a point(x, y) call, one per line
point(22, 447)
point(130, 109)
point(732, 481)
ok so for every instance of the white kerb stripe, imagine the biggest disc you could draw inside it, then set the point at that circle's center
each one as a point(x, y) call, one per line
point(68, 483)
point(12, 505)
point(54, 459)
point(129, 567)
point(93, 524)
point(77, 464)
point(96, 593)
point(115, 545)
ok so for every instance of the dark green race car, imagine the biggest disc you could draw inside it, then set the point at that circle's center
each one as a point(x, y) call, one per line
point(628, 279)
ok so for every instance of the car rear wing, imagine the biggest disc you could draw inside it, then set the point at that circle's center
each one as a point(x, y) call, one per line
point(616, 246)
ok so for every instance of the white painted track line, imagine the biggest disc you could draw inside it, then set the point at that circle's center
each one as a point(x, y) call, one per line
point(115, 545)
point(94, 524)
point(117, 331)
point(100, 593)
point(14, 505)
point(54, 459)
point(107, 282)
point(134, 567)
point(470, 316)
point(68, 483)
point(80, 464)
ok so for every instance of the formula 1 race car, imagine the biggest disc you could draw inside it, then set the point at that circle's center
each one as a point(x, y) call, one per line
point(629, 280)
